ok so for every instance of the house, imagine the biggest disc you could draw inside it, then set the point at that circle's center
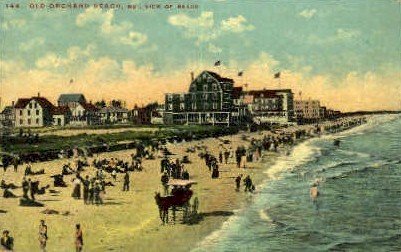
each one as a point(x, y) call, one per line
point(307, 110)
point(208, 101)
point(143, 115)
point(111, 115)
point(85, 114)
point(7, 117)
point(157, 115)
point(61, 116)
point(71, 100)
point(241, 113)
point(33, 112)
point(267, 106)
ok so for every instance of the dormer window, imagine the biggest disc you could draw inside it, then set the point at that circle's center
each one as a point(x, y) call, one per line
point(205, 88)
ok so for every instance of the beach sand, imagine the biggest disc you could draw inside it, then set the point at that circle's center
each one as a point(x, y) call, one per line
point(129, 221)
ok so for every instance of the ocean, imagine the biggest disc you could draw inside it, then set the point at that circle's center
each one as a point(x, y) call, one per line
point(358, 208)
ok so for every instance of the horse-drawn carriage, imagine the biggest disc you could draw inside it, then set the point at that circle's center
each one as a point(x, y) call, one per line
point(177, 200)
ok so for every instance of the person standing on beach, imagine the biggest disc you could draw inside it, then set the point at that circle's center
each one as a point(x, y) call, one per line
point(43, 235)
point(86, 184)
point(248, 184)
point(15, 163)
point(79, 240)
point(221, 157)
point(238, 182)
point(7, 242)
point(126, 182)
point(226, 156)
point(31, 189)
point(25, 188)
point(238, 157)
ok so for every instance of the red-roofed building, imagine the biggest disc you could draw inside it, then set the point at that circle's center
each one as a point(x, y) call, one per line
point(33, 112)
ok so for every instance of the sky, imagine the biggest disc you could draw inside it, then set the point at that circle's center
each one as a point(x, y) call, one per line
point(347, 53)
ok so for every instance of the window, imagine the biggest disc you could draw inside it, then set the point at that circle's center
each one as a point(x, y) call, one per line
point(37, 120)
point(214, 97)
point(204, 97)
point(20, 121)
point(170, 107)
point(29, 112)
point(214, 87)
point(182, 106)
point(194, 97)
point(37, 112)
point(20, 112)
point(170, 97)
point(181, 97)
point(29, 121)
point(214, 105)
point(30, 105)
point(205, 88)
point(36, 105)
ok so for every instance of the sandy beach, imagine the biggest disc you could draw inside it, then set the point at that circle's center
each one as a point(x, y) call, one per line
point(129, 221)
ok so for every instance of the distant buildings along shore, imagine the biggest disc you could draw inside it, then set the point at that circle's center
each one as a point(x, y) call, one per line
point(211, 99)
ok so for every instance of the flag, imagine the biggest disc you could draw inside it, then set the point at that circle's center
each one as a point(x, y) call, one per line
point(240, 73)
point(217, 63)
point(277, 75)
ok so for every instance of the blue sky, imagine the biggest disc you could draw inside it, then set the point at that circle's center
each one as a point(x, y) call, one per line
point(345, 53)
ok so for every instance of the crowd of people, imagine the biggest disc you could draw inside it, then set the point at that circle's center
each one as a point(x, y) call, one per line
point(103, 172)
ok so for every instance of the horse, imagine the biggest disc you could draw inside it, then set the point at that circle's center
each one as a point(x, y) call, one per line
point(164, 203)
point(180, 198)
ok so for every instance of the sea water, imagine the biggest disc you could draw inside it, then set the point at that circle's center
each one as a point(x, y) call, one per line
point(358, 208)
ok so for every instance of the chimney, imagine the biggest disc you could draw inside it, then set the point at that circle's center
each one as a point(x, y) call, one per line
point(192, 76)
point(38, 94)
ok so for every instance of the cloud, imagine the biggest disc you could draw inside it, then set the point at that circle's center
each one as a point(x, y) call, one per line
point(204, 28)
point(236, 25)
point(201, 28)
point(12, 24)
point(308, 13)
point(340, 35)
point(75, 55)
point(214, 49)
point(120, 33)
point(134, 39)
point(29, 45)
point(109, 78)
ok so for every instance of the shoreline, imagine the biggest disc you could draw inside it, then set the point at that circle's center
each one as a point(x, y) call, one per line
point(131, 222)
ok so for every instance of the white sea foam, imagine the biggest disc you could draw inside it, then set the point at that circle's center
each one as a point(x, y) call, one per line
point(300, 155)
point(215, 236)
point(263, 215)
point(354, 153)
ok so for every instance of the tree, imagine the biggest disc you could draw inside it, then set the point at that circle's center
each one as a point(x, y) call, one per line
point(100, 104)
point(116, 103)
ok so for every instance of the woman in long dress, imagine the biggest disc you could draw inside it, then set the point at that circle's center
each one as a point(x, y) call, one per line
point(79, 241)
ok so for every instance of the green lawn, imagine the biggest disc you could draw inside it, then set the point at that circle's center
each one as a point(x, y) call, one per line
point(52, 142)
